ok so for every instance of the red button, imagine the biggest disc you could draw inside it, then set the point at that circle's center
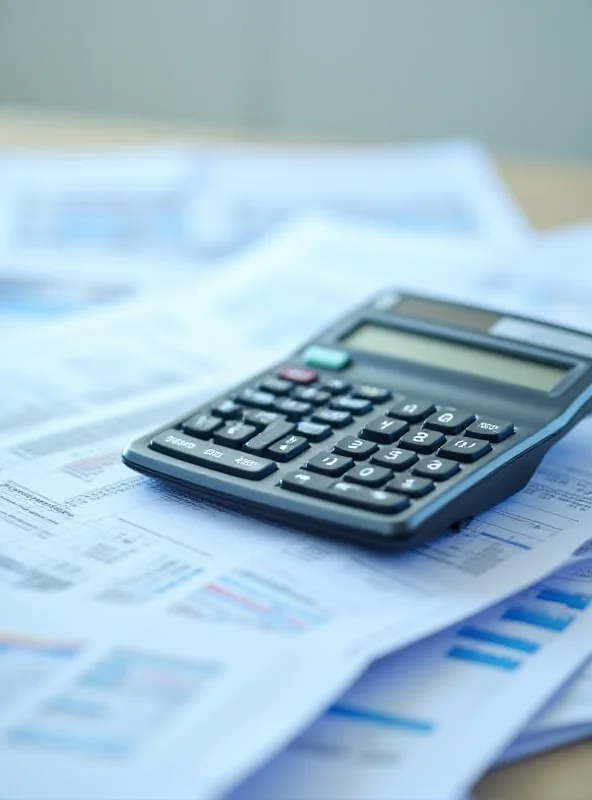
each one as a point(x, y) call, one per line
point(298, 374)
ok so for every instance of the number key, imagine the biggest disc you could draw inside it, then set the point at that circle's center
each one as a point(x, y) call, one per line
point(368, 476)
point(384, 430)
point(329, 464)
point(411, 486)
point(449, 421)
point(438, 469)
point(411, 410)
point(422, 441)
point(356, 448)
point(463, 448)
point(394, 458)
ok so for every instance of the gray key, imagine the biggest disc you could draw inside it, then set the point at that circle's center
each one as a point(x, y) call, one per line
point(271, 434)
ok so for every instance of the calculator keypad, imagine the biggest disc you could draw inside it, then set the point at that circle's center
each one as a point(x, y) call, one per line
point(383, 464)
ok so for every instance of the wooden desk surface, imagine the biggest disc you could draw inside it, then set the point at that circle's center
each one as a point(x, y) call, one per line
point(550, 193)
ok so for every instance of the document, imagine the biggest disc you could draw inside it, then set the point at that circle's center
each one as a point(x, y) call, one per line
point(89, 546)
point(568, 716)
point(451, 702)
point(348, 265)
point(205, 201)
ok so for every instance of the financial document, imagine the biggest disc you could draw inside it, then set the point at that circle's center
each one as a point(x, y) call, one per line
point(87, 545)
point(136, 217)
point(466, 690)
point(204, 201)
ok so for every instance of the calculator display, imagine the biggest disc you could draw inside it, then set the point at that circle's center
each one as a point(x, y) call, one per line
point(456, 356)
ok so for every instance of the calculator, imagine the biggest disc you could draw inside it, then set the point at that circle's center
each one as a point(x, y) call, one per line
point(398, 422)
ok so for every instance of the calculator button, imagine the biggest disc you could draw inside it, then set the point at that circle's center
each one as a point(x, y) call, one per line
point(202, 425)
point(261, 419)
point(438, 469)
point(329, 464)
point(394, 458)
point(313, 431)
point(228, 409)
point(356, 448)
point(335, 386)
point(337, 419)
point(306, 482)
point(411, 410)
point(449, 421)
point(288, 448)
point(422, 441)
point(255, 398)
point(409, 485)
point(292, 408)
point(325, 357)
point(384, 430)
point(376, 394)
point(494, 430)
point(276, 386)
point(354, 404)
point(298, 374)
point(370, 499)
point(186, 448)
point(463, 448)
point(311, 395)
point(234, 434)
point(368, 476)
point(271, 434)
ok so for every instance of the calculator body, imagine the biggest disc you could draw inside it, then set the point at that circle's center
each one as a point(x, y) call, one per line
point(395, 424)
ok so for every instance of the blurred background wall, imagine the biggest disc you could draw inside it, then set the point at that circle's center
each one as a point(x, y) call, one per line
point(515, 73)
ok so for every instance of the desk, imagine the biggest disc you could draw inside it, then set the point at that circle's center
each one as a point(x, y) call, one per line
point(551, 194)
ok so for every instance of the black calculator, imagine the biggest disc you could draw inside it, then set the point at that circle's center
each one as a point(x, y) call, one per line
point(397, 423)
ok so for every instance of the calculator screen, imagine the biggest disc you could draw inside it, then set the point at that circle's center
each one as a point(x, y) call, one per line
point(456, 356)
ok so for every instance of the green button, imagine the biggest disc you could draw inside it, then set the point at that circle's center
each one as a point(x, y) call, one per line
point(325, 357)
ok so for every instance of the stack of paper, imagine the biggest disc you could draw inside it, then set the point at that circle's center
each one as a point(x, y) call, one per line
point(155, 646)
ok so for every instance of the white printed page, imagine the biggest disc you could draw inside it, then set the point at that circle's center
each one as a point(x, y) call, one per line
point(209, 201)
point(95, 707)
point(453, 701)
point(80, 531)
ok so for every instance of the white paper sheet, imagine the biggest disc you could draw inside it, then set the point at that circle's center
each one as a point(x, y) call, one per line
point(78, 229)
point(451, 702)
point(80, 532)
point(201, 202)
